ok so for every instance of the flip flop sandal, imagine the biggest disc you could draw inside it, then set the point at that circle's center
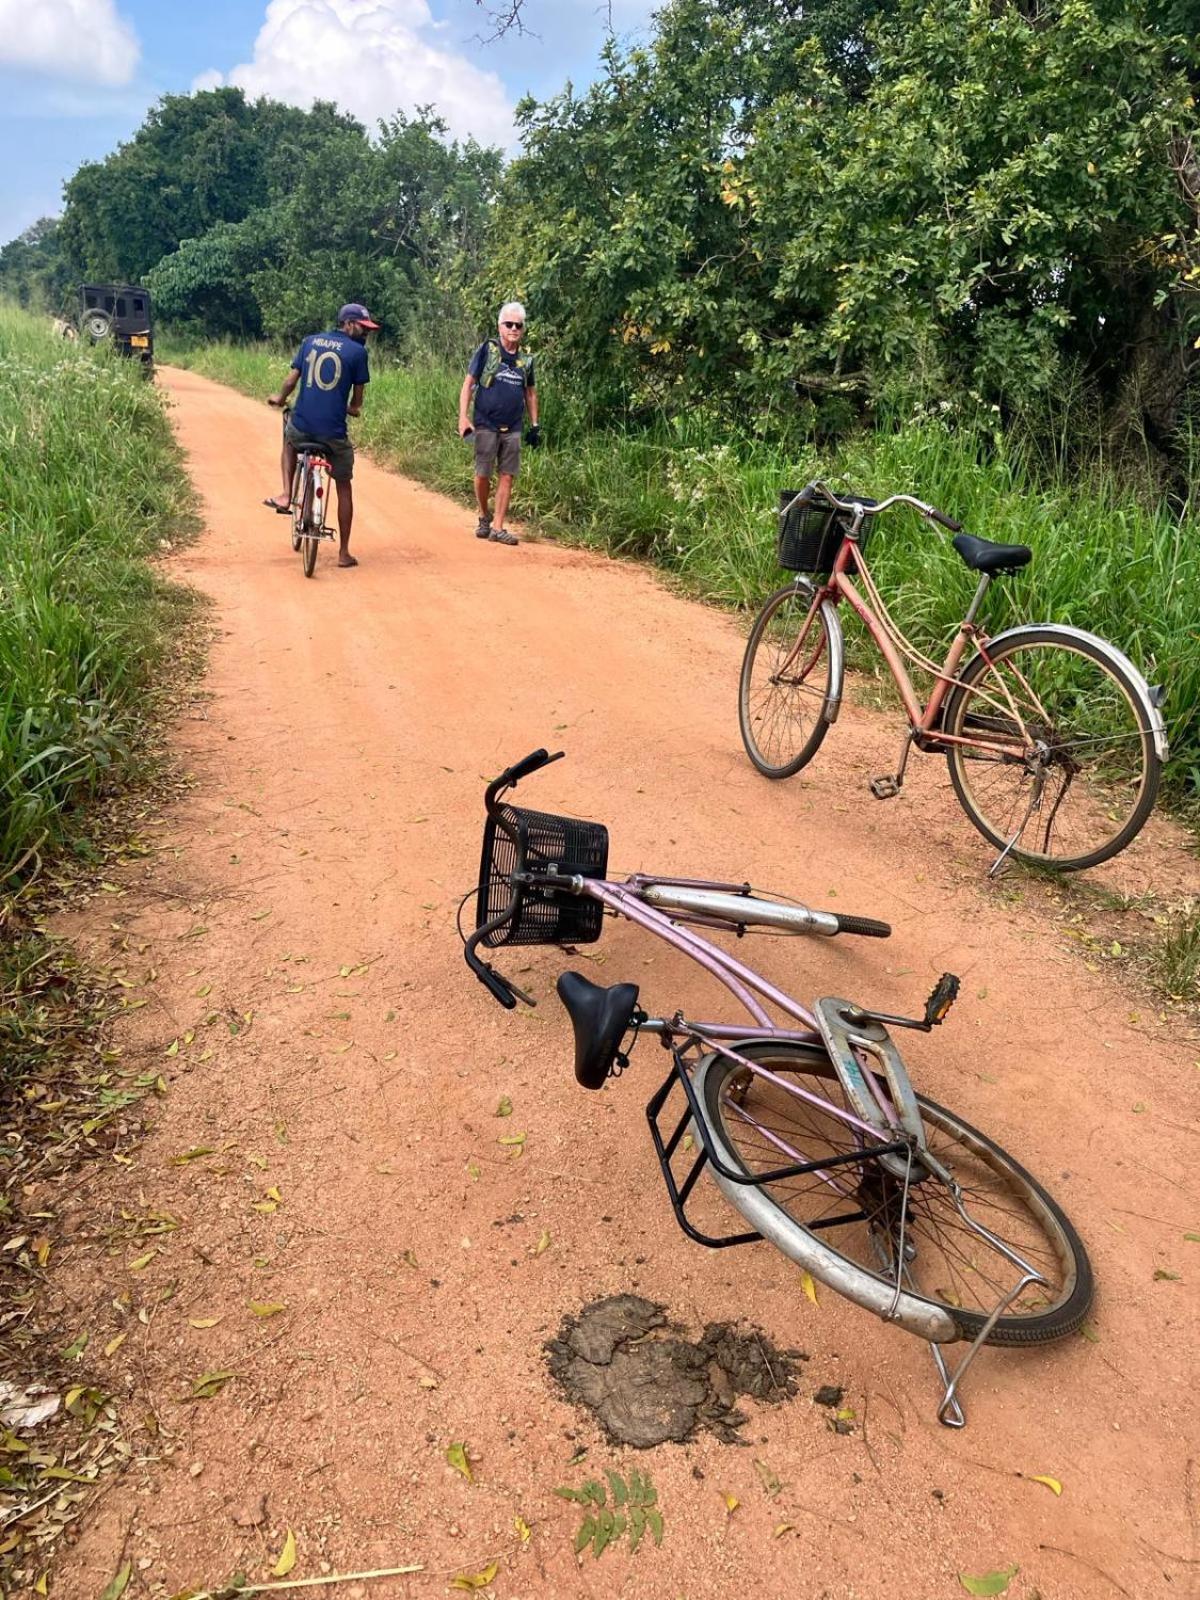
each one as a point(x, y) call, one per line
point(282, 511)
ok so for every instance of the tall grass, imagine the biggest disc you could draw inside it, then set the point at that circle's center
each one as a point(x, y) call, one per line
point(90, 481)
point(704, 507)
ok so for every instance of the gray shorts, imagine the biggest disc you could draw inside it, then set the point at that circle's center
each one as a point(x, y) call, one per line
point(340, 452)
point(497, 450)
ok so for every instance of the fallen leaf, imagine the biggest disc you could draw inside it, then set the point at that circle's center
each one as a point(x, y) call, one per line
point(1051, 1483)
point(267, 1308)
point(113, 1345)
point(119, 1584)
point(517, 1139)
point(76, 1348)
point(781, 1528)
point(456, 1455)
point(205, 1322)
point(771, 1484)
point(409, 1259)
point(523, 1529)
point(731, 1503)
point(542, 1244)
point(504, 1109)
point(287, 1557)
point(193, 1154)
point(1161, 1275)
point(476, 1580)
point(809, 1287)
point(1089, 1332)
point(427, 1382)
point(142, 1261)
point(987, 1582)
point(210, 1384)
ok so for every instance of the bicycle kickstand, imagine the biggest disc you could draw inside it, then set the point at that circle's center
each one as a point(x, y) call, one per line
point(950, 1412)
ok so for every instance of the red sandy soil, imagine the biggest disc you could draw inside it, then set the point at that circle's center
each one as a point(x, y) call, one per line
point(304, 895)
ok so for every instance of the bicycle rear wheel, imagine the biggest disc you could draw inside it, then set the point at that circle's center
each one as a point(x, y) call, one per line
point(857, 1212)
point(787, 681)
point(313, 512)
point(1089, 774)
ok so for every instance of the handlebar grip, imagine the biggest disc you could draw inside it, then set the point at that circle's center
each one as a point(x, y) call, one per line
point(946, 522)
point(494, 984)
point(865, 927)
point(521, 769)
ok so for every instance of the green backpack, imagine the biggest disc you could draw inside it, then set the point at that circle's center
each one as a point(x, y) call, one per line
point(491, 364)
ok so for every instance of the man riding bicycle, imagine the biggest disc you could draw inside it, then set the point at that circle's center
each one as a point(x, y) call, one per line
point(332, 371)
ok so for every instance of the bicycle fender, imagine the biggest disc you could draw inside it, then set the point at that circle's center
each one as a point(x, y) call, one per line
point(1149, 699)
point(837, 655)
point(846, 1041)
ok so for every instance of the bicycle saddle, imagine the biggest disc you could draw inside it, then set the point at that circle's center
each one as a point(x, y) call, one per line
point(984, 556)
point(599, 1017)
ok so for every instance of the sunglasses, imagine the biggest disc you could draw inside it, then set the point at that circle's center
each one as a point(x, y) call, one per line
point(514, 324)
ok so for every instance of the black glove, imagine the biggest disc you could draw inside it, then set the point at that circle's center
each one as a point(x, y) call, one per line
point(533, 436)
point(467, 431)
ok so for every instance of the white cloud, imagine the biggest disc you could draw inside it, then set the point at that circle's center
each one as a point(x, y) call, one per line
point(85, 40)
point(372, 58)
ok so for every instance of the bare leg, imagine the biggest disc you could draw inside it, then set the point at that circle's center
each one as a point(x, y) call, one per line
point(504, 485)
point(287, 473)
point(483, 490)
point(345, 518)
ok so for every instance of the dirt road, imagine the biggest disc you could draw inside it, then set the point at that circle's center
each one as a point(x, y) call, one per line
point(323, 1041)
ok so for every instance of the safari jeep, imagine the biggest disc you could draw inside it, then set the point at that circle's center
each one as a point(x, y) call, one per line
point(120, 312)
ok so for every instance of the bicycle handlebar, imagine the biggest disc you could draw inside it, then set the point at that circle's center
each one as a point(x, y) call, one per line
point(873, 509)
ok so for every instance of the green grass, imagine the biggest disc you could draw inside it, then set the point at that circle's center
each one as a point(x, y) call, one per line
point(90, 483)
point(703, 506)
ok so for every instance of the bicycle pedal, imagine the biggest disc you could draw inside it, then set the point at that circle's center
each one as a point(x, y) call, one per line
point(885, 788)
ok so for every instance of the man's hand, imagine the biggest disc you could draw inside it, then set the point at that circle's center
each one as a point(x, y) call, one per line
point(277, 399)
point(354, 411)
point(465, 429)
point(533, 436)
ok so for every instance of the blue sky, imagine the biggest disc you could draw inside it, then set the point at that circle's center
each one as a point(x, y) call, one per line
point(77, 76)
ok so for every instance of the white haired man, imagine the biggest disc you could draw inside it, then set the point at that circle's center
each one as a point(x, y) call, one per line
point(502, 381)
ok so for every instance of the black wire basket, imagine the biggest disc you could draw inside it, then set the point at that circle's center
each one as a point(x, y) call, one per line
point(548, 844)
point(810, 533)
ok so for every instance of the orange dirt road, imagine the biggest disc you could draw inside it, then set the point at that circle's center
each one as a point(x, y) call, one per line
point(295, 935)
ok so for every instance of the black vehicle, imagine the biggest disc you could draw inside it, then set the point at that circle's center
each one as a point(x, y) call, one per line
point(120, 312)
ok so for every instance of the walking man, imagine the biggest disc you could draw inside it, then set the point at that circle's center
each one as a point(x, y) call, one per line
point(332, 371)
point(501, 379)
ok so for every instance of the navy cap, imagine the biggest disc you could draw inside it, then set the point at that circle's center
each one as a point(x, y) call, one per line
point(356, 313)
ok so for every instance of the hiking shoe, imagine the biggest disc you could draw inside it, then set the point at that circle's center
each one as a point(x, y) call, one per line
point(483, 527)
point(502, 536)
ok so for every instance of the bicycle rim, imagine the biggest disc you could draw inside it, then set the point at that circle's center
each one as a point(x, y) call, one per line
point(760, 1124)
point(1090, 774)
point(785, 684)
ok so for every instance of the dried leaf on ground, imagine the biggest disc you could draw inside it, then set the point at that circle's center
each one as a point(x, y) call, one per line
point(119, 1584)
point(456, 1455)
point(987, 1583)
point(210, 1384)
point(1051, 1483)
point(287, 1557)
point(475, 1580)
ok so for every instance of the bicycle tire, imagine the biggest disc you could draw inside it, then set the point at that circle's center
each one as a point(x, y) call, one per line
point(769, 710)
point(311, 537)
point(1114, 771)
point(772, 1205)
point(299, 479)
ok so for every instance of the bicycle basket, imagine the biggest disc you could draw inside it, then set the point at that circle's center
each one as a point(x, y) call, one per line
point(810, 533)
point(552, 844)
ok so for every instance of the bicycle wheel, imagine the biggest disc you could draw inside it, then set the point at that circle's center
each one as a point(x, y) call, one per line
point(313, 511)
point(759, 1123)
point(1089, 774)
point(787, 681)
point(299, 479)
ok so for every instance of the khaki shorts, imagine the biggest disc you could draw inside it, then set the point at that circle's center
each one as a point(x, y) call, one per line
point(340, 452)
point(497, 450)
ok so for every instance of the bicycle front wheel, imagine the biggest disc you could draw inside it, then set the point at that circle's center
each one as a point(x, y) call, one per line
point(299, 479)
point(1061, 753)
point(861, 1216)
point(788, 681)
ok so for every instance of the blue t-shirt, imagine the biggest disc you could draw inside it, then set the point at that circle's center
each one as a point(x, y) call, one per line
point(502, 403)
point(329, 364)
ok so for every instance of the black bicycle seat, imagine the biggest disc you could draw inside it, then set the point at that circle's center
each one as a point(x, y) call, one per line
point(599, 1017)
point(984, 556)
